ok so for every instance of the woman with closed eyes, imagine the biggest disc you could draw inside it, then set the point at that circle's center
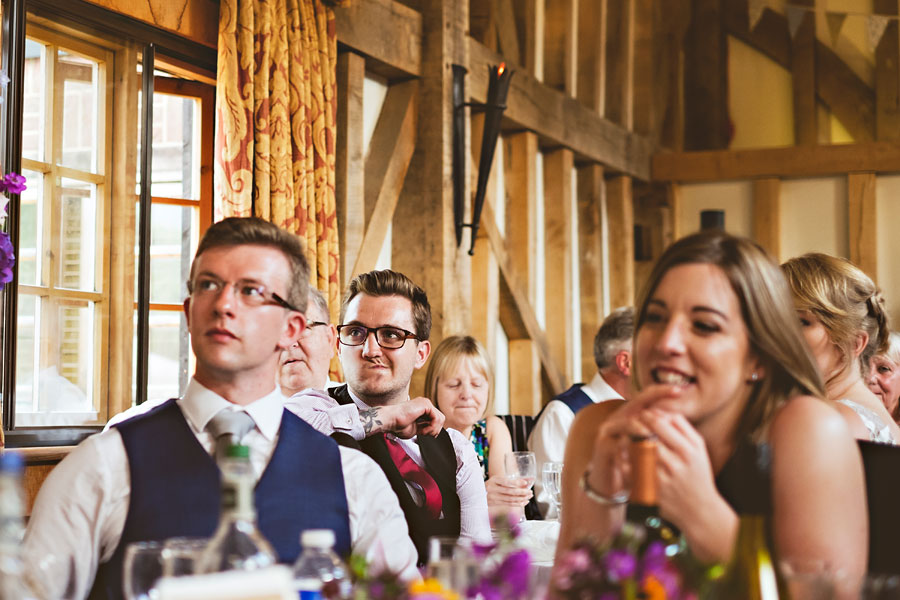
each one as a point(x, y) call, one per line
point(732, 397)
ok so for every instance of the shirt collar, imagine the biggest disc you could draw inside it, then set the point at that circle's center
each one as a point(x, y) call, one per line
point(200, 404)
point(598, 390)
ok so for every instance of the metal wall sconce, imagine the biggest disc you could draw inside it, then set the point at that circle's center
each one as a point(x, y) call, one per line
point(498, 88)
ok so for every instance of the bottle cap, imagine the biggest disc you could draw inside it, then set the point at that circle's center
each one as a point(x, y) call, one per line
point(11, 462)
point(643, 471)
point(317, 538)
point(237, 451)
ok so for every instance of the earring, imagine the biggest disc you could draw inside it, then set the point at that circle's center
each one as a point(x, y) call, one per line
point(754, 377)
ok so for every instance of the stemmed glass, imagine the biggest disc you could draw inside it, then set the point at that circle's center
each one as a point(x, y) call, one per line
point(143, 568)
point(551, 476)
point(521, 465)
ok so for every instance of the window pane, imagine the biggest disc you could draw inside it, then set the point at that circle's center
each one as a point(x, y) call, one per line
point(169, 355)
point(33, 107)
point(27, 327)
point(78, 77)
point(173, 239)
point(78, 230)
point(31, 223)
point(74, 363)
point(175, 148)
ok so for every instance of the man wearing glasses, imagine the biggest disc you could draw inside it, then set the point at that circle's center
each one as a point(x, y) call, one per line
point(383, 339)
point(247, 280)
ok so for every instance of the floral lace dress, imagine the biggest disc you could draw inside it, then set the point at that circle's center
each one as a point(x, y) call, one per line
point(479, 439)
point(879, 431)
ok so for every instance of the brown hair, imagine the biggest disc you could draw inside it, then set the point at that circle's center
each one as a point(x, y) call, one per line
point(844, 299)
point(772, 328)
point(253, 231)
point(392, 283)
point(448, 355)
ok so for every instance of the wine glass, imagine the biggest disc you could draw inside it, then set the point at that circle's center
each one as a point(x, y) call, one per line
point(143, 568)
point(180, 554)
point(521, 465)
point(551, 475)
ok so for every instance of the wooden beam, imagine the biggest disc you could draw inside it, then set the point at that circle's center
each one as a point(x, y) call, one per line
point(706, 122)
point(387, 32)
point(530, 25)
point(803, 75)
point(560, 45)
point(485, 273)
point(887, 75)
point(620, 63)
point(644, 63)
point(840, 159)
point(559, 232)
point(767, 215)
point(862, 222)
point(525, 378)
point(590, 259)
point(849, 97)
point(560, 120)
point(423, 236)
point(524, 322)
point(591, 83)
point(520, 164)
point(673, 197)
point(506, 30)
point(349, 190)
point(620, 212)
point(390, 152)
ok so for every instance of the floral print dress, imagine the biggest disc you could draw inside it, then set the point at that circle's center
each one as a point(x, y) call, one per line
point(479, 439)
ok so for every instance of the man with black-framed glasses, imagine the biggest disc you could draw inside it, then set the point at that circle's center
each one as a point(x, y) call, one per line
point(383, 340)
point(155, 476)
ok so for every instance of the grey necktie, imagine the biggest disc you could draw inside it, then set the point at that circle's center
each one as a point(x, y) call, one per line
point(229, 427)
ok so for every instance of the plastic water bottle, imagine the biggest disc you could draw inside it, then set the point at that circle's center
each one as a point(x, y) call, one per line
point(319, 572)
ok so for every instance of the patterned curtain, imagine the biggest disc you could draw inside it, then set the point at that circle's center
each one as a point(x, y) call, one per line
point(275, 124)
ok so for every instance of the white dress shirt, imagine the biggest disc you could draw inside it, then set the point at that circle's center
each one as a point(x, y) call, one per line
point(548, 439)
point(325, 414)
point(80, 511)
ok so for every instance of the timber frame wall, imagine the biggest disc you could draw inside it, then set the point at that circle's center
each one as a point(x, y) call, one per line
point(580, 90)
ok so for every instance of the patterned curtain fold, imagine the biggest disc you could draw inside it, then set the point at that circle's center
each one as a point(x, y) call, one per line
point(275, 132)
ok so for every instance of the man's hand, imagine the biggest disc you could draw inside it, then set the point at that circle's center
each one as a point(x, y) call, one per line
point(416, 417)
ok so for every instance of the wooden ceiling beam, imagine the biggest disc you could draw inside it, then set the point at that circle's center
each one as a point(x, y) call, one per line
point(384, 30)
point(560, 120)
point(809, 161)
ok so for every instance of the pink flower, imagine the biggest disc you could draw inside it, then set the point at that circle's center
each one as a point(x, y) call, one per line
point(12, 183)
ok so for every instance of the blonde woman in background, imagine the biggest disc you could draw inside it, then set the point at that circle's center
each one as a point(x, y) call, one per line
point(884, 377)
point(459, 381)
point(843, 319)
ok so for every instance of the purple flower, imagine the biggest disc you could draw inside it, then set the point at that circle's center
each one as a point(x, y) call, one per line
point(620, 564)
point(514, 571)
point(654, 558)
point(12, 183)
point(7, 259)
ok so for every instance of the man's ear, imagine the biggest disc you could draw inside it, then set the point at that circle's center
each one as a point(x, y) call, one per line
point(332, 339)
point(294, 325)
point(187, 311)
point(422, 351)
point(623, 362)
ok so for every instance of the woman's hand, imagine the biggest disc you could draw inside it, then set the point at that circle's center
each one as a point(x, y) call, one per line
point(610, 465)
point(507, 492)
point(686, 488)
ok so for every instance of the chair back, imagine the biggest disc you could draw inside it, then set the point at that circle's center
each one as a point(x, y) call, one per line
point(520, 427)
point(882, 466)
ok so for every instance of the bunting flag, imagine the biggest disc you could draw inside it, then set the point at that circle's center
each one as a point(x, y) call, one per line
point(795, 16)
point(876, 27)
point(755, 10)
point(835, 22)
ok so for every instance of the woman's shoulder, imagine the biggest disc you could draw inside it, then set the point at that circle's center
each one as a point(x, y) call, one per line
point(810, 425)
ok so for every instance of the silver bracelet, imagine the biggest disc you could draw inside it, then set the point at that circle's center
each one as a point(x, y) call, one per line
point(616, 500)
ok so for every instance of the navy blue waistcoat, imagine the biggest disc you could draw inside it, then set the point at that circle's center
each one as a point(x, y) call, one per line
point(176, 491)
point(573, 397)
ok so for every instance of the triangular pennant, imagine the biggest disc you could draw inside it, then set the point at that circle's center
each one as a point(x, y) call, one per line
point(835, 22)
point(755, 10)
point(795, 17)
point(877, 25)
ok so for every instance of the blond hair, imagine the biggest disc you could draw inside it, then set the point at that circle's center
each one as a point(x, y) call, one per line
point(770, 320)
point(448, 356)
point(844, 299)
